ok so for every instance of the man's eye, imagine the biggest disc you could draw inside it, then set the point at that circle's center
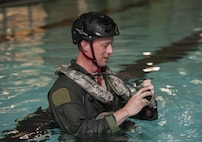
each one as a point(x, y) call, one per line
point(105, 45)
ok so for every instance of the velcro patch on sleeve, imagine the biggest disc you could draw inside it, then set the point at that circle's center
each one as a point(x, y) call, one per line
point(61, 96)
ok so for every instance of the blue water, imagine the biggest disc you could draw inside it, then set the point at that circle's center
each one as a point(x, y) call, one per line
point(30, 49)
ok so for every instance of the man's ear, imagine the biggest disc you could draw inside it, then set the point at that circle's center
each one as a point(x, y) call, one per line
point(84, 46)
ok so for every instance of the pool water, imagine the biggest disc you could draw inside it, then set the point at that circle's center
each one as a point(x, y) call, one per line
point(161, 40)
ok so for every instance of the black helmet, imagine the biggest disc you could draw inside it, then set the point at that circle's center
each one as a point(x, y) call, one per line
point(92, 25)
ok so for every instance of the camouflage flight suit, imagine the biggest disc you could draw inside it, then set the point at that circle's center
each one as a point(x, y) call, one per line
point(76, 111)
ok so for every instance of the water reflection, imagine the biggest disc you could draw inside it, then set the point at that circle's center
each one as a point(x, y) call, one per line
point(20, 23)
point(33, 37)
point(21, 61)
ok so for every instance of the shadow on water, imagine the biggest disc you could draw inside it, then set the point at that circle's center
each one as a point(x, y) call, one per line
point(68, 21)
point(11, 3)
point(174, 52)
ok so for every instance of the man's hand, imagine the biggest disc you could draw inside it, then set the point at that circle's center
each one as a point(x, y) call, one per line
point(148, 83)
point(136, 103)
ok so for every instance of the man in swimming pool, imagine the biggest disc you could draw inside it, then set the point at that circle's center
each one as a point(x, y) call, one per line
point(87, 96)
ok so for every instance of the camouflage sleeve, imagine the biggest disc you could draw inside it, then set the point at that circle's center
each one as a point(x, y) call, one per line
point(112, 123)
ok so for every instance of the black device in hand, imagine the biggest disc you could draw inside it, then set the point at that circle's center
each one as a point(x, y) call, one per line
point(146, 97)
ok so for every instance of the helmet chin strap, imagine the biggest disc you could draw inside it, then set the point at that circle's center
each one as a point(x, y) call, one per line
point(99, 78)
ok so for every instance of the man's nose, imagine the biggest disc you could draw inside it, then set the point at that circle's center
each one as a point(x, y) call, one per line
point(110, 49)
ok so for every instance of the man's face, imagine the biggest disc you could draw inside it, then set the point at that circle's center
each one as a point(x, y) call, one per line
point(103, 49)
